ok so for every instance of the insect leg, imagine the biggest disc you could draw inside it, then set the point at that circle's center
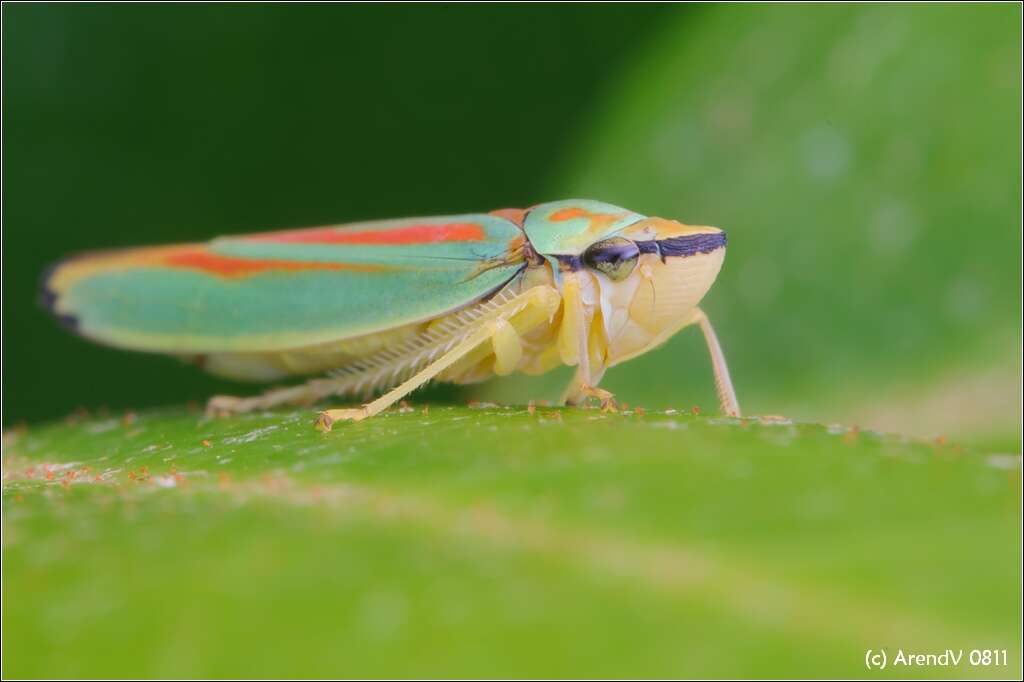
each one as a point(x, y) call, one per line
point(537, 304)
point(576, 341)
point(582, 388)
point(723, 383)
point(303, 394)
point(507, 347)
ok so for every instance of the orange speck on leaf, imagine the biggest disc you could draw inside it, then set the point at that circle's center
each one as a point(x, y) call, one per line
point(852, 435)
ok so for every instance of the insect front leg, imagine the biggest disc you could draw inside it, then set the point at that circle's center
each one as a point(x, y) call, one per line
point(577, 346)
point(580, 390)
point(723, 382)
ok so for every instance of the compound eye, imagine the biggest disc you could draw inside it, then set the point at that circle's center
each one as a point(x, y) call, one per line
point(615, 257)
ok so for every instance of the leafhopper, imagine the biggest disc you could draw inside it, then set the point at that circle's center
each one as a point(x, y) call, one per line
point(381, 308)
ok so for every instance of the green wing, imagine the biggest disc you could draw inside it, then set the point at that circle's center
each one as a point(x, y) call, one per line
point(281, 290)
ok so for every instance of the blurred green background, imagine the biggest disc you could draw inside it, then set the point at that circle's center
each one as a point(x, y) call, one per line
point(865, 161)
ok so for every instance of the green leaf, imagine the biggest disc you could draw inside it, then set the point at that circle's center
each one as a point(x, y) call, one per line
point(493, 542)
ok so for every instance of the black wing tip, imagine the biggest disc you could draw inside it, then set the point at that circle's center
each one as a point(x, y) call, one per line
point(47, 298)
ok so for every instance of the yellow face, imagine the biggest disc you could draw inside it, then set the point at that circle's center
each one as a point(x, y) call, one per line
point(648, 280)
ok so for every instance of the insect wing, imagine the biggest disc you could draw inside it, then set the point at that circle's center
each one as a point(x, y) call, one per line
point(287, 289)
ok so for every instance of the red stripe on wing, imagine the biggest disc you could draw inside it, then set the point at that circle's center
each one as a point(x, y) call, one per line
point(410, 234)
point(230, 266)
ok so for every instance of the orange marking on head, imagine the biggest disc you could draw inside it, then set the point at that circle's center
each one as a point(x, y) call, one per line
point(427, 233)
point(230, 266)
point(569, 213)
point(599, 222)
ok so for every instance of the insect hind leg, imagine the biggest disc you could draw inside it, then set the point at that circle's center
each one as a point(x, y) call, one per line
point(432, 355)
point(300, 395)
point(500, 326)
